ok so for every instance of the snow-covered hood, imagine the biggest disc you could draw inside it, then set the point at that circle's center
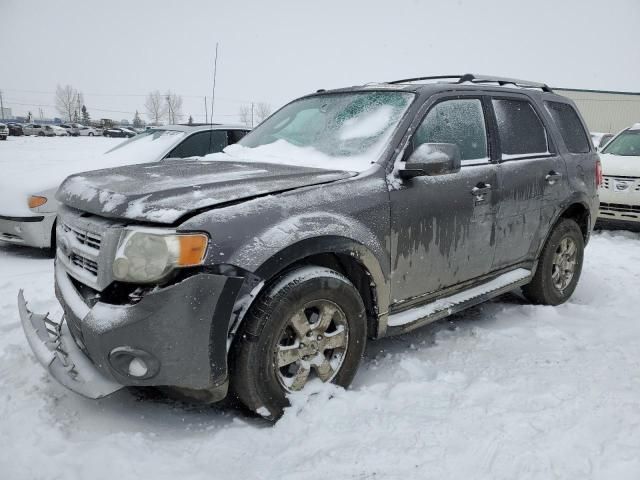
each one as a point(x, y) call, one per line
point(619, 165)
point(164, 192)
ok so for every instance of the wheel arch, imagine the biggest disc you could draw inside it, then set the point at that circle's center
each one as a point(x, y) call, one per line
point(346, 256)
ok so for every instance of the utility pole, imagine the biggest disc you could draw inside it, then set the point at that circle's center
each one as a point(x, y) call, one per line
point(252, 114)
point(1, 105)
point(206, 111)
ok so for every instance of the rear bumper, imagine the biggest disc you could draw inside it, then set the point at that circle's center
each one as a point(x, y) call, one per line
point(32, 231)
point(179, 331)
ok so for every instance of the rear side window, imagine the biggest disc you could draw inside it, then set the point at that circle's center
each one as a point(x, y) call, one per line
point(571, 129)
point(201, 144)
point(460, 122)
point(521, 131)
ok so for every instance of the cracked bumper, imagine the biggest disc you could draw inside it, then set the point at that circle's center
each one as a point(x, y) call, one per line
point(53, 346)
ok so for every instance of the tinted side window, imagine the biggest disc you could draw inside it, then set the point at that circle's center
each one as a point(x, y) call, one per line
point(571, 129)
point(201, 144)
point(521, 131)
point(460, 122)
point(236, 135)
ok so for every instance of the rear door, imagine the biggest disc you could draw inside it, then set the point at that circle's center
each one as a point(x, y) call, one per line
point(442, 229)
point(532, 178)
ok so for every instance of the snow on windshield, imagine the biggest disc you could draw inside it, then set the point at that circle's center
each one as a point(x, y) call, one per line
point(345, 131)
point(33, 165)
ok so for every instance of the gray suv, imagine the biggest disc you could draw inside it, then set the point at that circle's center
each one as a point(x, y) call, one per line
point(348, 215)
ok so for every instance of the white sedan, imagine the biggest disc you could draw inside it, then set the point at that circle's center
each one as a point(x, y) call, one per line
point(620, 189)
point(28, 211)
point(88, 131)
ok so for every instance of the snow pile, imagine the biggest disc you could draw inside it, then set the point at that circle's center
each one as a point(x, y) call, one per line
point(506, 390)
point(284, 153)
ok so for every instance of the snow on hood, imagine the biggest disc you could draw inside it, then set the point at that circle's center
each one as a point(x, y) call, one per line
point(612, 165)
point(29, 168)
point(282, 152)
point(164, 192)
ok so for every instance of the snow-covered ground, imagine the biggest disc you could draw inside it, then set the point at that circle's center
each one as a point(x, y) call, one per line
point(502, 391)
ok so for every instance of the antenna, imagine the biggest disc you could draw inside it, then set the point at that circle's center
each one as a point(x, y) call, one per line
point(213, 92)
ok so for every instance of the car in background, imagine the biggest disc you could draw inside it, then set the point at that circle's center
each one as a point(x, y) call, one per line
point(620, 189)
point(4, 131)
point(35, 129)
point(15, 129)
point(119, 132)
point(56, 131)
point(72, 128)
point(174, 141)
point(85, 131)
point(600, 139)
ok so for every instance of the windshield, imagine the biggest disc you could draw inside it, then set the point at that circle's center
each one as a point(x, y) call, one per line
point(148, 146)
point(627, 144)
point(335, 131)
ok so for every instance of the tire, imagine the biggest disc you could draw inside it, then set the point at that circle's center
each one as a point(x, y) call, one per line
point(91, 134)
point(3, 138)
point(563, 252)
point(268, 331)
point(41, 134)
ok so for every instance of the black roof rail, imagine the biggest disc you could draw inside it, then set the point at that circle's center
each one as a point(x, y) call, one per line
point(473, 78)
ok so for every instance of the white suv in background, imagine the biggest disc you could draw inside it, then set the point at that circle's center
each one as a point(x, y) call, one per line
point(620, 189)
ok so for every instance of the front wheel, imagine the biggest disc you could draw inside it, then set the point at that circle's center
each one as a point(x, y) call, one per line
point(91, 134)
point(310, 324)
point(559, 265)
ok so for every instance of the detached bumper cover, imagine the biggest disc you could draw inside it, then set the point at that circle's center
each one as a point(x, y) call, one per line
point(54, 348)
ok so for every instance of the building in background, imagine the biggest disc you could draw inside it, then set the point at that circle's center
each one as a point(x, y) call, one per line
point(6, 113)
point(605, 111)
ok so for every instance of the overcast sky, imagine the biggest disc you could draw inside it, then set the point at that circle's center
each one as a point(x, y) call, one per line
point(116, 51)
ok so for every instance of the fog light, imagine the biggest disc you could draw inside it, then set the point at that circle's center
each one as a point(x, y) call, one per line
point(134, 363)
point(137, 368)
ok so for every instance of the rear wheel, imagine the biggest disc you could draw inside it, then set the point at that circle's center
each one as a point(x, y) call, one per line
point(310, 324)
point(559, 265)
point(41, 134)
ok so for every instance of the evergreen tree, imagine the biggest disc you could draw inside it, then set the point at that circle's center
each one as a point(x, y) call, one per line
point(137, 121)
point(190, 120)
point(86, 119)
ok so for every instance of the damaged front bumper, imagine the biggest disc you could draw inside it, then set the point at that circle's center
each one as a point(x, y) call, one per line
point(55, 349)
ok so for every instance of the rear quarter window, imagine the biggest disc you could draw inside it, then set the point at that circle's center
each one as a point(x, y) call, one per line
point(520, 129)
point(570, 127)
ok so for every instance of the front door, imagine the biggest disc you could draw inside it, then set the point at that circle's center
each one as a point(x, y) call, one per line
point(443, 226)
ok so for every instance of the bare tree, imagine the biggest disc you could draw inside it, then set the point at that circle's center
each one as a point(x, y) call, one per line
point(156, 108)
point(67, 101)
point(174, 107)
point(245, 115)
point(263, 110)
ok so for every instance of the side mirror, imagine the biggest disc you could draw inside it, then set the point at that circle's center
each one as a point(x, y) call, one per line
point(432, 159)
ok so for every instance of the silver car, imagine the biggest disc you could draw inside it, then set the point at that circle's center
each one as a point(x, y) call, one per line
point(4, 131)
point(173, 141)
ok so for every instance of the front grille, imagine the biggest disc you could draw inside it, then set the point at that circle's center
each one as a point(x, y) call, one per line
point(620, 207)
point(86, 246)
point(609, 181)
point(84, 263)
point(84, 237)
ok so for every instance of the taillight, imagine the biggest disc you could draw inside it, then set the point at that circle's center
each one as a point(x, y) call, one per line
point(598, 173)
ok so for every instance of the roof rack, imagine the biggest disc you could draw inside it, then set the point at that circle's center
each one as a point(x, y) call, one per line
point(473, 78)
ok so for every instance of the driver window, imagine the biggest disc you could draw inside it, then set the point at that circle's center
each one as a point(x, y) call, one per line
point(459, 121)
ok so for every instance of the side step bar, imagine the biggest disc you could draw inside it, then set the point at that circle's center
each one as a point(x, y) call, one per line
point(418, 316)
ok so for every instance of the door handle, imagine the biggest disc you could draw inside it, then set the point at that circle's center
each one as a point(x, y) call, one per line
point(481, 189)
point(552, 177)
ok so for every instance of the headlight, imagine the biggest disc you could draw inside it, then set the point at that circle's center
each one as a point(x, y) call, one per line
point(148, 255)
point(36, 201)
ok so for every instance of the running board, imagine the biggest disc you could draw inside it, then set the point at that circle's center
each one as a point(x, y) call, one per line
point(418, 316)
